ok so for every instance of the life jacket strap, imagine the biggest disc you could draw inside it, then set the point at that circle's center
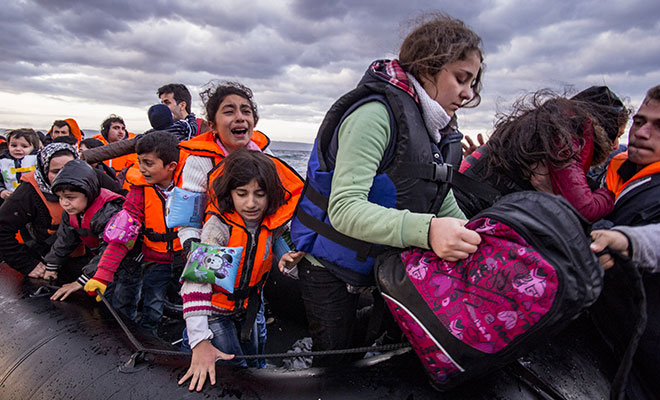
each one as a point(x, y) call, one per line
point(160, 237)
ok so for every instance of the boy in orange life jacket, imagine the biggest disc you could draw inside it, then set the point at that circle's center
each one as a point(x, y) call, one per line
point(87, 209)
point(158, 156)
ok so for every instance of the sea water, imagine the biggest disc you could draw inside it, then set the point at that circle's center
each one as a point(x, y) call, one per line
point(294, 154)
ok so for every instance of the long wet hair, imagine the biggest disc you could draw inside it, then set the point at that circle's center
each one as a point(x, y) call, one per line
point(543, 128)
point(239, 168)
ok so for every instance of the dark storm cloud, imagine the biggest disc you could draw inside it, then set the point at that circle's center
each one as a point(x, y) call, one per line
point(298, 56)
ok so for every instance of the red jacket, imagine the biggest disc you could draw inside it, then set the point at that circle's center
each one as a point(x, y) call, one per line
point(571, 183)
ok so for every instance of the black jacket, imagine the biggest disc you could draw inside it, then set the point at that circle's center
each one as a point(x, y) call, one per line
point(81, 175)
point(25, 212)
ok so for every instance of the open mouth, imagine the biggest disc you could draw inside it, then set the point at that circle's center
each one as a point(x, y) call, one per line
point(239, 132)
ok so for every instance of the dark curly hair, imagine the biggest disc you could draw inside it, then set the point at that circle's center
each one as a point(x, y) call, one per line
point(239, 168)
point(438, 40)
point(543, 128)
point(216, 93)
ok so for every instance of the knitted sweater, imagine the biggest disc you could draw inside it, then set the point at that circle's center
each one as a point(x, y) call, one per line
point(196, 296)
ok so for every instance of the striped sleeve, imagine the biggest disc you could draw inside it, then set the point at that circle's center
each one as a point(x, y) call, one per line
point(196, 299)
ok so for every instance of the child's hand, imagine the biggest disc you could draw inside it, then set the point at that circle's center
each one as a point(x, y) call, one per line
point(38, 271)
point(4, 194)
point(290, 259)
point(50, 275)
point(92, 285)
point(203, 362)
point(66, 289)
point(470, 146)
point(449, 239)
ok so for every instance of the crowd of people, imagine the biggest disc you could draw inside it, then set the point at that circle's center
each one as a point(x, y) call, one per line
point(368, 189)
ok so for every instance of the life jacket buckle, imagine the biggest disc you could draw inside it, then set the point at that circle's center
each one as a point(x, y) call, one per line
point(442, 172)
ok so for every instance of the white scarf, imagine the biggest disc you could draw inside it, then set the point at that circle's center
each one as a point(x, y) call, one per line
point(435, 117)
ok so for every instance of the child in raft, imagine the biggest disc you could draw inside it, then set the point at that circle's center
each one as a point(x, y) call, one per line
point(252, 201)
point(19, 158)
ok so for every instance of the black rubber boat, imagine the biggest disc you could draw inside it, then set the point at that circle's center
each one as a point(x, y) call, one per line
point(76, 350)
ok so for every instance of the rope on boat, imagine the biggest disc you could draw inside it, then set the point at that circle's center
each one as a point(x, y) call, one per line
point(144, 350)
point(517, 369)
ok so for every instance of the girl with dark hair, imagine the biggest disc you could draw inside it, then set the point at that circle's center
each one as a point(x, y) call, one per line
point(251, 204)
point(548, 143)
point(375, 177)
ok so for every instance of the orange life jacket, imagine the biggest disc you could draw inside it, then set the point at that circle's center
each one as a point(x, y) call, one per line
point(157, 236)
point(73, 128)
point(252, 274)
point(614, 181)
point(121, 162)
point(204, 145)
point(54, 209)
point(84, 229)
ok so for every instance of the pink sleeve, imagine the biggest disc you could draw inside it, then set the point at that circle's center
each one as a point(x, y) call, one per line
point(571, 183)
point(114, 253)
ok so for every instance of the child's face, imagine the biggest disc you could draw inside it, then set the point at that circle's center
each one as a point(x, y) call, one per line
point(72, 202)
point(250, 201)
point(234, 122)
point(452, 86)
point(154, 171)
point(19, 147)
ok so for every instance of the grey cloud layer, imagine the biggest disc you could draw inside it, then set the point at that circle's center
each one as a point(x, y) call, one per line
point(300, 55)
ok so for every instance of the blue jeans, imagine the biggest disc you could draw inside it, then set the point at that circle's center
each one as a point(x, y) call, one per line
point(151, 282)
point(262, 333)
point(226, 333)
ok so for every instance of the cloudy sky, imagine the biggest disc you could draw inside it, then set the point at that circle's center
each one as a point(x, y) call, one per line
point(87, 59)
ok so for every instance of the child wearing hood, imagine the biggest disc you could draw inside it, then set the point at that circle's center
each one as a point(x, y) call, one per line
point(87, 209)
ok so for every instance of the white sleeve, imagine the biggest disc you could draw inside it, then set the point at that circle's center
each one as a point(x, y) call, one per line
point(194, 178)
point(198, 329)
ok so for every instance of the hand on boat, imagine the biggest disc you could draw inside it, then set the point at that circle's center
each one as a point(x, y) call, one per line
point(66, 289)
point(290, 259)
point(50, 275)
point(614, 240)
point(203, 362)
point(450, 240)
point(38, 271)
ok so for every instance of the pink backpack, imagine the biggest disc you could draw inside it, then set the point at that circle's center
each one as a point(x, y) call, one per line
point(532, 274)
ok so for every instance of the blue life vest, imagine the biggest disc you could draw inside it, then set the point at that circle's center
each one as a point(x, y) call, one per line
point(414, 175)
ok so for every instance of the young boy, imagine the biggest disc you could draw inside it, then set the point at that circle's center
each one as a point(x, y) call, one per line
point(158, 158)
point(87, 209)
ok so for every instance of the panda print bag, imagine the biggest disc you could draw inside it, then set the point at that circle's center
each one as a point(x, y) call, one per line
point(217, 265)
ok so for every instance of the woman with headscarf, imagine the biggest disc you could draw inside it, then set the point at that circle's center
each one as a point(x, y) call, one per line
point(29, 221)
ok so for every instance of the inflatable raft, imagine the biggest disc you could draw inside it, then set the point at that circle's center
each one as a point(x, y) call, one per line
point(76, 350)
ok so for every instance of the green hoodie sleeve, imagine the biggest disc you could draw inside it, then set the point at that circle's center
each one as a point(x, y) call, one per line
point(363, 137)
